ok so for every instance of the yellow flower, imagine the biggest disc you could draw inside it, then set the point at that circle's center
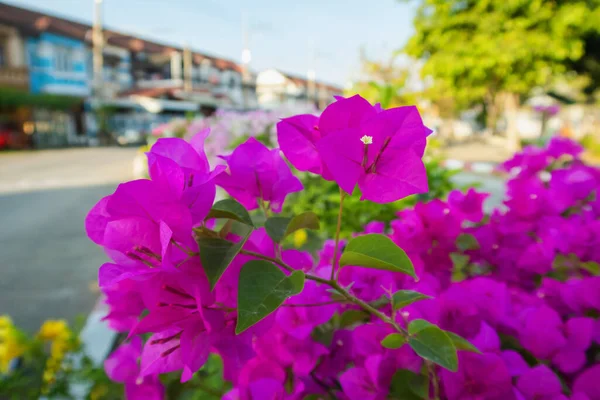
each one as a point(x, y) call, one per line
point(11, 347)
point(5, 322)
point(98, 392)
point(300, 237)
point(53, 329)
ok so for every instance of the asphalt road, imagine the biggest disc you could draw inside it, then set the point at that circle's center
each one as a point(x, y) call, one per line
point(48, 266)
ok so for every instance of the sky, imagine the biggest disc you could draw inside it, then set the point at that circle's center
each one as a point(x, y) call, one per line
point(293, 36)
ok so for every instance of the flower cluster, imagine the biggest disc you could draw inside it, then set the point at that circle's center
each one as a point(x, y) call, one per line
point(379, 316)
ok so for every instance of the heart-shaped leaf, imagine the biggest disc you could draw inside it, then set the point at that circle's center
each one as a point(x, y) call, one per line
point(466, 241)
point(378, 252)
point(262, 288)
point(278, 228)
point(417, 324)
point(407, 385)
point(461, 343)
point(216, 254)
point(393, 341)
point(433, 344)
point(403, 298)
point(230, 209)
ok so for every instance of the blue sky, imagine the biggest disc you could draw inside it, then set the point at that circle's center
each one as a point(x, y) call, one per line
point(283, 32)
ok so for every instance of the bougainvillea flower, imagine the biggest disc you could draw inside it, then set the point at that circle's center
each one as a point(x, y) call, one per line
point(298, 321)
point(542, 332)
point(479, 376)
point(470, 204)
point(123, 366)
point(356, 144)
point(365, 383)
point(257, 175)
point(587, 383)
point(514, 362)
point(528, 162)
point(297, 136)
point(572, 357)
point(182, 168)
point(559, 146)
point(539, 383)
point(136, 217)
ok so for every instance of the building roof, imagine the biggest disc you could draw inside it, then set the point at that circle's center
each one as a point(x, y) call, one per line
point(300, 80)
point(34, 23)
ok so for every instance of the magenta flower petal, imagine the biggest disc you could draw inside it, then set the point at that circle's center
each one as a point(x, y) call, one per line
point(539, 382)
point(122, 365)
point(182, 153)
point(342, 158)
point(166, 172)
point(258, 174)
point(398, 174)
point(587, 382)
point(146, 388)
point(96, 220)
point(345, 113)
point(195, 347)
point(161, 354)
point(297, 137)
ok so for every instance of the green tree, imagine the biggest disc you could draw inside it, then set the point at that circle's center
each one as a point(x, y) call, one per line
point(383, 82)
point(493, 51)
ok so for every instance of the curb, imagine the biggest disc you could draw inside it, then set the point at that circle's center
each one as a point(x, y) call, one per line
point(96, 336)
point(97, 340)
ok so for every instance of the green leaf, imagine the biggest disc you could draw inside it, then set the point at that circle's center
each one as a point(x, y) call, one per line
point(402, 298)
point(591, 267)
point(433, 344)
point(459, 263)
point(230, 209)
point(407, 385)
point(216, 254)
point(466, 241)
point(262, 288)
point(377, 251)
point(393, 341)
point(461, 343)
point(278, 228)
point(352, 317)
point(418, 324)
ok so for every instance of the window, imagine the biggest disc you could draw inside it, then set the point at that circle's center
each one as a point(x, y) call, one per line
point(63, 58)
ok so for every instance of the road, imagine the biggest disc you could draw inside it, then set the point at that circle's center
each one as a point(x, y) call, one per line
point(48, 266)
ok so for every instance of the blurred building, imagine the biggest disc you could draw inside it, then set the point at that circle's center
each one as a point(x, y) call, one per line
point(47, 95)
point(276, 89)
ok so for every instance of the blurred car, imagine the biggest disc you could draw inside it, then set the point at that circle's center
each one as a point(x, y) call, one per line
point(131, 137)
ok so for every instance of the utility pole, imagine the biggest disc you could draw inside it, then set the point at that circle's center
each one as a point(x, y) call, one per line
point(98, 65)
point(98, 44)
point(246, 58)
point(311, 90)
point(187, 68)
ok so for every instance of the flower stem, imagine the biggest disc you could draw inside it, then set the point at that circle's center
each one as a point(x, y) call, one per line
point(434, 380)
point(337, 234)
point(335, 285)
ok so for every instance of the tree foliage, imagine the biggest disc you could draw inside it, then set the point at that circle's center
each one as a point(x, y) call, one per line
point(475, 49)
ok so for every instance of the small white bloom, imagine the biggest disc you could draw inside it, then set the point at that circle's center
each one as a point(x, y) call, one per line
point(367, 139)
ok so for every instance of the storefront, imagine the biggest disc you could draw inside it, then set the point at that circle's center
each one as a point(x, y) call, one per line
point(38, 121)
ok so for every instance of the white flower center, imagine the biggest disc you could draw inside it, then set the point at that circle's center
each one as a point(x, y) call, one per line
point(367, 139)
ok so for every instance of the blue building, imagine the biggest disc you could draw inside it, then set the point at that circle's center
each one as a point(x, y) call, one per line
point(47, 96)
point(58, 65)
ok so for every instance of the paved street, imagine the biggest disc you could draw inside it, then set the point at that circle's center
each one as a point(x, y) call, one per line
point(47, 264)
